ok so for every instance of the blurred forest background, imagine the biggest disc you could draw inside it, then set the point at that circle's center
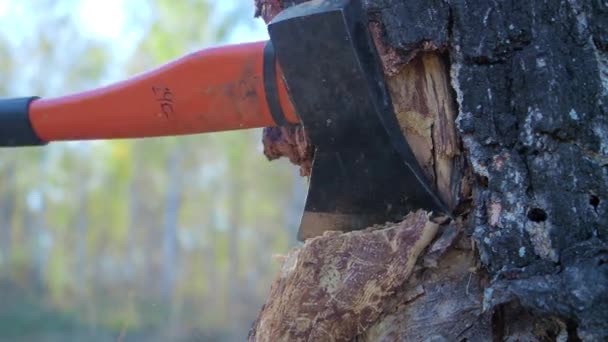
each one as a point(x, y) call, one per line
point(169, 239)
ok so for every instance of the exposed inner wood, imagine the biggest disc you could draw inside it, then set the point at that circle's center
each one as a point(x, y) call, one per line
point(439, 303)
point(425, 108)
point(336, 286)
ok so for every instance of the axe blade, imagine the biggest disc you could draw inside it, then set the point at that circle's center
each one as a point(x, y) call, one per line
point(364, 172)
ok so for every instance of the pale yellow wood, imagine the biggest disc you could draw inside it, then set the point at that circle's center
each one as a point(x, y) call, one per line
point(425, 107)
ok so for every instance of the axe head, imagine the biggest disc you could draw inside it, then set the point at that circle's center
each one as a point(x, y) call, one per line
point(364, 171)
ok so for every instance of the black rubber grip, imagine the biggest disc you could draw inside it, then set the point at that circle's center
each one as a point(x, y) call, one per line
point(15, 126)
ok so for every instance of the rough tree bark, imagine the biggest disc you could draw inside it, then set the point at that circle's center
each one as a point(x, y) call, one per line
point(505, 103)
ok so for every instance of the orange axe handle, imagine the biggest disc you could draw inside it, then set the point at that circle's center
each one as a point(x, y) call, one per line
point(216, 89)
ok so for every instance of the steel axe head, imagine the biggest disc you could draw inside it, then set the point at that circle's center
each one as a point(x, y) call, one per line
point(364, 171)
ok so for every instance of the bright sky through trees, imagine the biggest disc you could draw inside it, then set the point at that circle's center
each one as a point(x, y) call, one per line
point(107, 19)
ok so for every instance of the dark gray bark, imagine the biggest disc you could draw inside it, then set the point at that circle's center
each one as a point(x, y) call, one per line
point(532, 89)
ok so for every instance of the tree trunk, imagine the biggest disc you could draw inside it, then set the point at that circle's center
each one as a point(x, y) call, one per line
point(35, 221)
point(235, 221)
point(171, 260)
point(7, 211)
point(511, 100)
point(80, 222)
point(133, 252)
point(173, 200)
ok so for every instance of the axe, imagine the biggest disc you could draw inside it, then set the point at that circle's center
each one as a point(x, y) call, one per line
point(319, 69)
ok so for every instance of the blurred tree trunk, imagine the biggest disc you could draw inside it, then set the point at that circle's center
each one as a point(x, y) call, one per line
point(81, 226)
point(235, 198)
point(135, 210)
point(173, 199)
point(83, 281)
point(37, 226)
point(212, 274)
point(171, 263)
point(7, 209)
point(295, 208)
point(522, 88)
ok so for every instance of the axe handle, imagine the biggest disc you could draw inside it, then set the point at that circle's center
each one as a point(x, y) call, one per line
point(216, 89)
